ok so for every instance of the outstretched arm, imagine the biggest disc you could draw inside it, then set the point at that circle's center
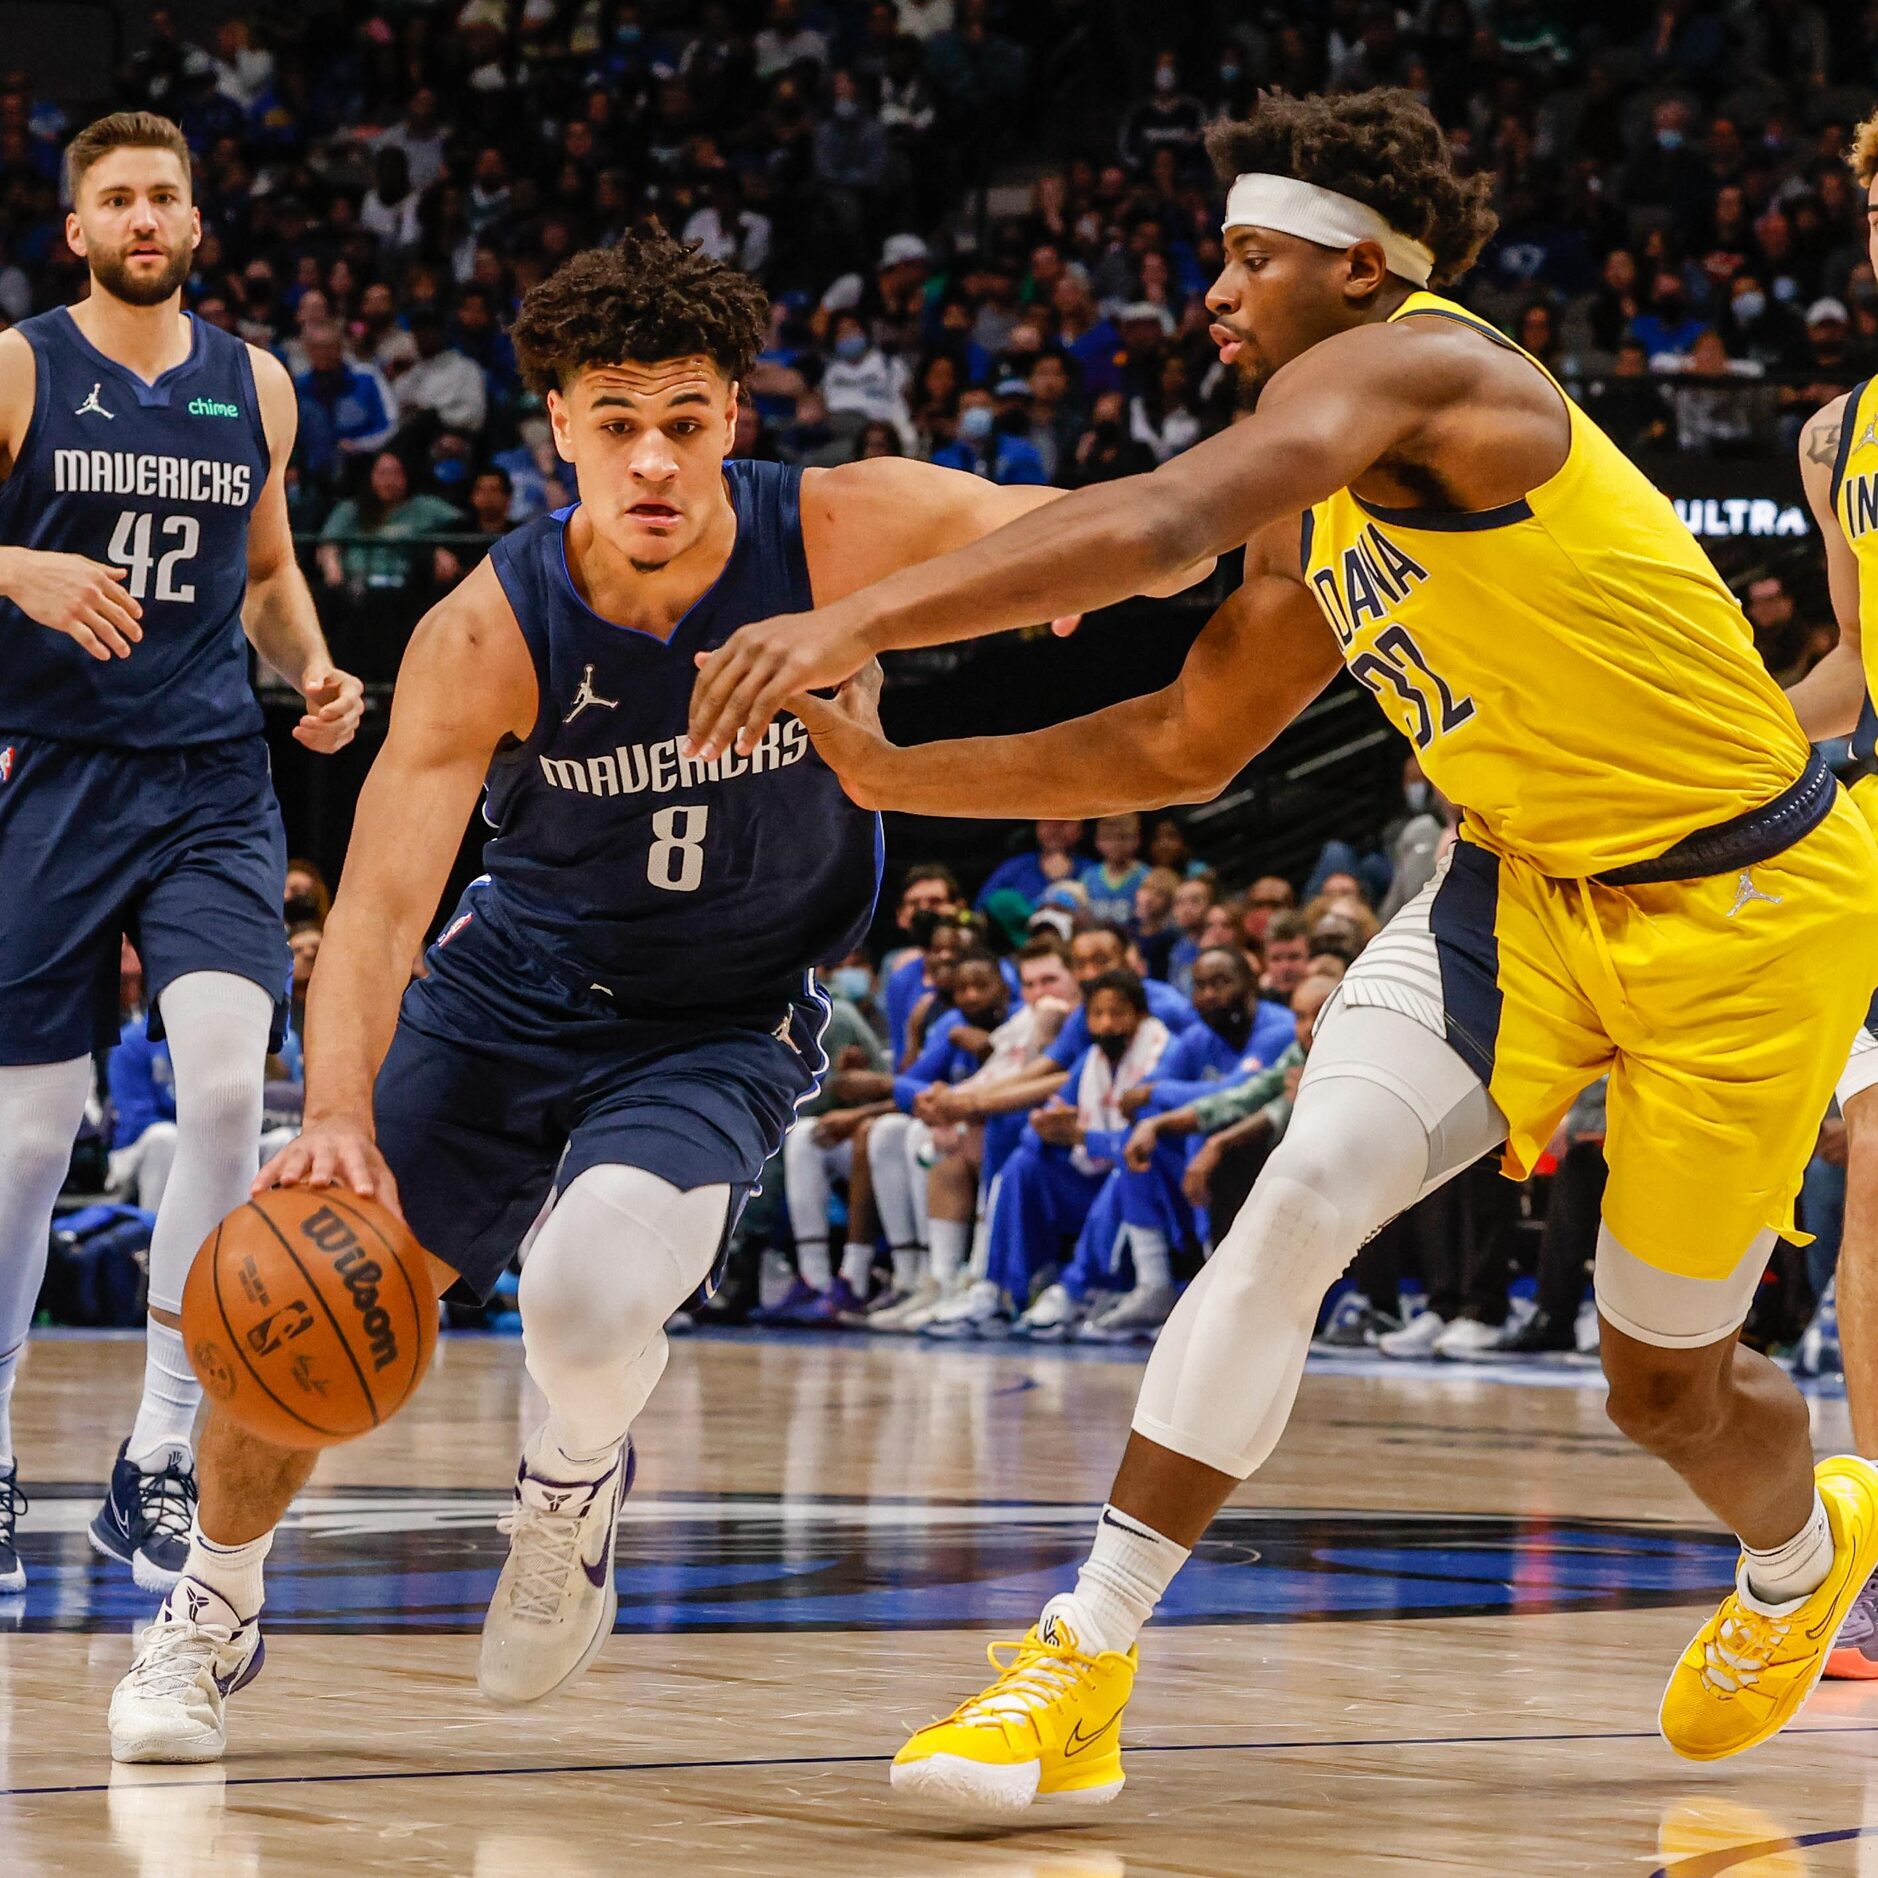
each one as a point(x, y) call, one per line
point(465, 684)
point(1260, 660)
point(1322, 421)
point(1829, 698)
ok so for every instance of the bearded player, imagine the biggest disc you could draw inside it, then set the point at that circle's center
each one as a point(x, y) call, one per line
point(621, 1014)
point(144, 518)
point(1657, 879)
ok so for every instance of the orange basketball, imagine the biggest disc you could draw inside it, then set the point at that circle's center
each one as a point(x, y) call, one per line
point(309, 1316)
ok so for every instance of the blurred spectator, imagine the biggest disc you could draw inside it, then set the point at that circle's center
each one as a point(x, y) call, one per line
point(344, 408)
point(1267, 897)
point(984, 449)
point(385, 512)
point(1111, 882)
point(1169, 118)
point(441, 382)
point(1287, 955)
point(785, 42)
point(1152, 927)
point(306, 898)
point(861, 381)
point(1029, 874)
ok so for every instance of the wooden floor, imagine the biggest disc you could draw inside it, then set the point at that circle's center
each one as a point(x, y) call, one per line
point(1430, 1638)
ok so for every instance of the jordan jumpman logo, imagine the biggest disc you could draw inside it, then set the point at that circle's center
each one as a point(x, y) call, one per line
point(91, 403)
point(585, 696)
point(1748, 892)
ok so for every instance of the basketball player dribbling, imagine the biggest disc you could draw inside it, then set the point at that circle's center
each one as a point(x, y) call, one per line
point(1656, 879)
point(1839, 468)
point(619, 1018)
point(145, 522)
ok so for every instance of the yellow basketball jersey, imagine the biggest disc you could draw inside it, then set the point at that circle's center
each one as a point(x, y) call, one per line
point(1855, 503)
point(1570, 667)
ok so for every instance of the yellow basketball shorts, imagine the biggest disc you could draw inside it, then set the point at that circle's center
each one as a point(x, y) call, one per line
point(1722, 1008)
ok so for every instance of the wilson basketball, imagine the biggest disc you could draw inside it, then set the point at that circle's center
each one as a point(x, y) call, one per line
point(310, 1316)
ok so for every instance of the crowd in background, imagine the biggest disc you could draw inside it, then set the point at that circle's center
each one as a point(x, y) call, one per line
point(986, 227)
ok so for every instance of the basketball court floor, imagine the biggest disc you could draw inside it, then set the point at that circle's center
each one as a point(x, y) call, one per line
point(1430, 1637)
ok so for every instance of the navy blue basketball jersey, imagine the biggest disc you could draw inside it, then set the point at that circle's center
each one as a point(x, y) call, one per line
point(158, 480)
point(676, 886)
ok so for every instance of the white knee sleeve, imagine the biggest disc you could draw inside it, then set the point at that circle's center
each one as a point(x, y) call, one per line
point(805, 1183)
point(893, 1185)
point(41, 1106)
point(217, 1026)
point(917, 1149)
point(1222, 1378)
point(621, 1251)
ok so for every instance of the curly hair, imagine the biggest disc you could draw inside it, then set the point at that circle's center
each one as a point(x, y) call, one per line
point(1862, 153)
point(1382, 148)
point(648, 298)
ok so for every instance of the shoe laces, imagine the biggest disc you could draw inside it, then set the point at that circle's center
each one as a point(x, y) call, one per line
point(1741, 1649)
point(13, 1503)
point(545, 1552)
point(1037, 1675)
point(166, 1501)
point(173, 1656)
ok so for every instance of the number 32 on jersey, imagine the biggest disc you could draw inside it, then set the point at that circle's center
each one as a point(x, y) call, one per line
point(1412, 693)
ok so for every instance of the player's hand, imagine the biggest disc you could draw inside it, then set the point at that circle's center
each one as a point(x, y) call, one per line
point(749, 678)
point(1058, 1125)
point(335, 707)
point(85, 600)
point(1134, 1100)
point(846, 733)
point(1197, 1182)
point(1138, 1150)
point(333, 1154)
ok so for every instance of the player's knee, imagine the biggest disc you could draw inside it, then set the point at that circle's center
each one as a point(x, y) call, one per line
point(1290, 1240)
point(222, 1111)
point(1661, 1400)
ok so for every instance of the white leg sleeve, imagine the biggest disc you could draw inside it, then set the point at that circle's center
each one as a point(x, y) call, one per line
point(216, 1024)
point(893, 1185)
point(41, 1106)
point(621, 1251)
point(156, 1156)
point(1360, 1149)
point(918, 1145)
point(805, 1183)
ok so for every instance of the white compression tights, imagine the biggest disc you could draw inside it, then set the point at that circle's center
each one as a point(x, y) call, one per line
point(621, 1251)
point(41, 1105)
point(1220, 1384)
point(216, 1024)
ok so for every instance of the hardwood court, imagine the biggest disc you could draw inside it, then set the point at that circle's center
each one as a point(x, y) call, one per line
point(1431, 1637)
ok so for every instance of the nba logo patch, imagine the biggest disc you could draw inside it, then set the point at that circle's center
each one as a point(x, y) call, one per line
point(6, 764)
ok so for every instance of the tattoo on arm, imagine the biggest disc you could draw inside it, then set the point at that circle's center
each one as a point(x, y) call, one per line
point(1822, 442)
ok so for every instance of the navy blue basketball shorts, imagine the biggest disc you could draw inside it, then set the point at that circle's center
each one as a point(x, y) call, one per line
point(508, 1078)
point(181, 849)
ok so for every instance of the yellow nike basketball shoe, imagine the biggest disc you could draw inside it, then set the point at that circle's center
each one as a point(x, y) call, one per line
point(1746, 1673)
point(1049, 1728)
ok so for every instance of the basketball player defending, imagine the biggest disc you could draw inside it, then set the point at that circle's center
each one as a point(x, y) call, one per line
point(145, 525)
point(1657, 879)
point(620, 1015)
point(1839, 466)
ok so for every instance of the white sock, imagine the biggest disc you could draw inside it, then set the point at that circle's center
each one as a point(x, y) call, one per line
point(908, 1262)
point(166, 1417)
point(232, 1572)
point(951, 1246)
point(557, 1451)
point(1786, 1573)
point(1154, 1268)
point(857, 1264)
point(9, 1371)
point(1126, 1574)
point(812, 1264)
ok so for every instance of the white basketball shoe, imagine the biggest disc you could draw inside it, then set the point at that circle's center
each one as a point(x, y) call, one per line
point(171, 1705)
point(555, 1602)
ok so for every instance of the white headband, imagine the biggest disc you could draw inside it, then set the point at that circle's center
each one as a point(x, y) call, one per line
point(1290, 207)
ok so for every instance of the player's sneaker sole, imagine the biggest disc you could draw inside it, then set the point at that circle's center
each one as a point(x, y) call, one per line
point(952, 1784)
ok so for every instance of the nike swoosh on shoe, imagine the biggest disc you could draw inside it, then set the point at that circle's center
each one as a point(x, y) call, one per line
point(1078, 1741)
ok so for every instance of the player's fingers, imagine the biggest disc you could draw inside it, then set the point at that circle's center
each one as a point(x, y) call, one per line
point(1066, 624)
point(115, 604)
point(129, 600)
point(104, 631)
point(387, 1193)
point(719, 675)
point(86, 640)
point(284, 1170)
point(756, 703)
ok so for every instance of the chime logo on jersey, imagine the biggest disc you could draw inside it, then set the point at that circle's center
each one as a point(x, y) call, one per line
point(657, 768)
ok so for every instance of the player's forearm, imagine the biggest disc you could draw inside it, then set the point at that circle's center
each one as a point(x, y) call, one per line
point(352, 1007)
point(1828, 699)
point(283, 624)
point(1018, 1093)
point(1130, 756)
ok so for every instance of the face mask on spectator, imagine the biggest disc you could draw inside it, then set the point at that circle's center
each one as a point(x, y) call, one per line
point(975, 425)
point(853, 982)
point(449, 470)
point(1751, 305)
point(1111, 1046)
point(1418, 795)
point(1165, 79)
point(1229, 73)
point(847, 108)
point(1669, 139)
point(297, 908)
point(851, 347)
